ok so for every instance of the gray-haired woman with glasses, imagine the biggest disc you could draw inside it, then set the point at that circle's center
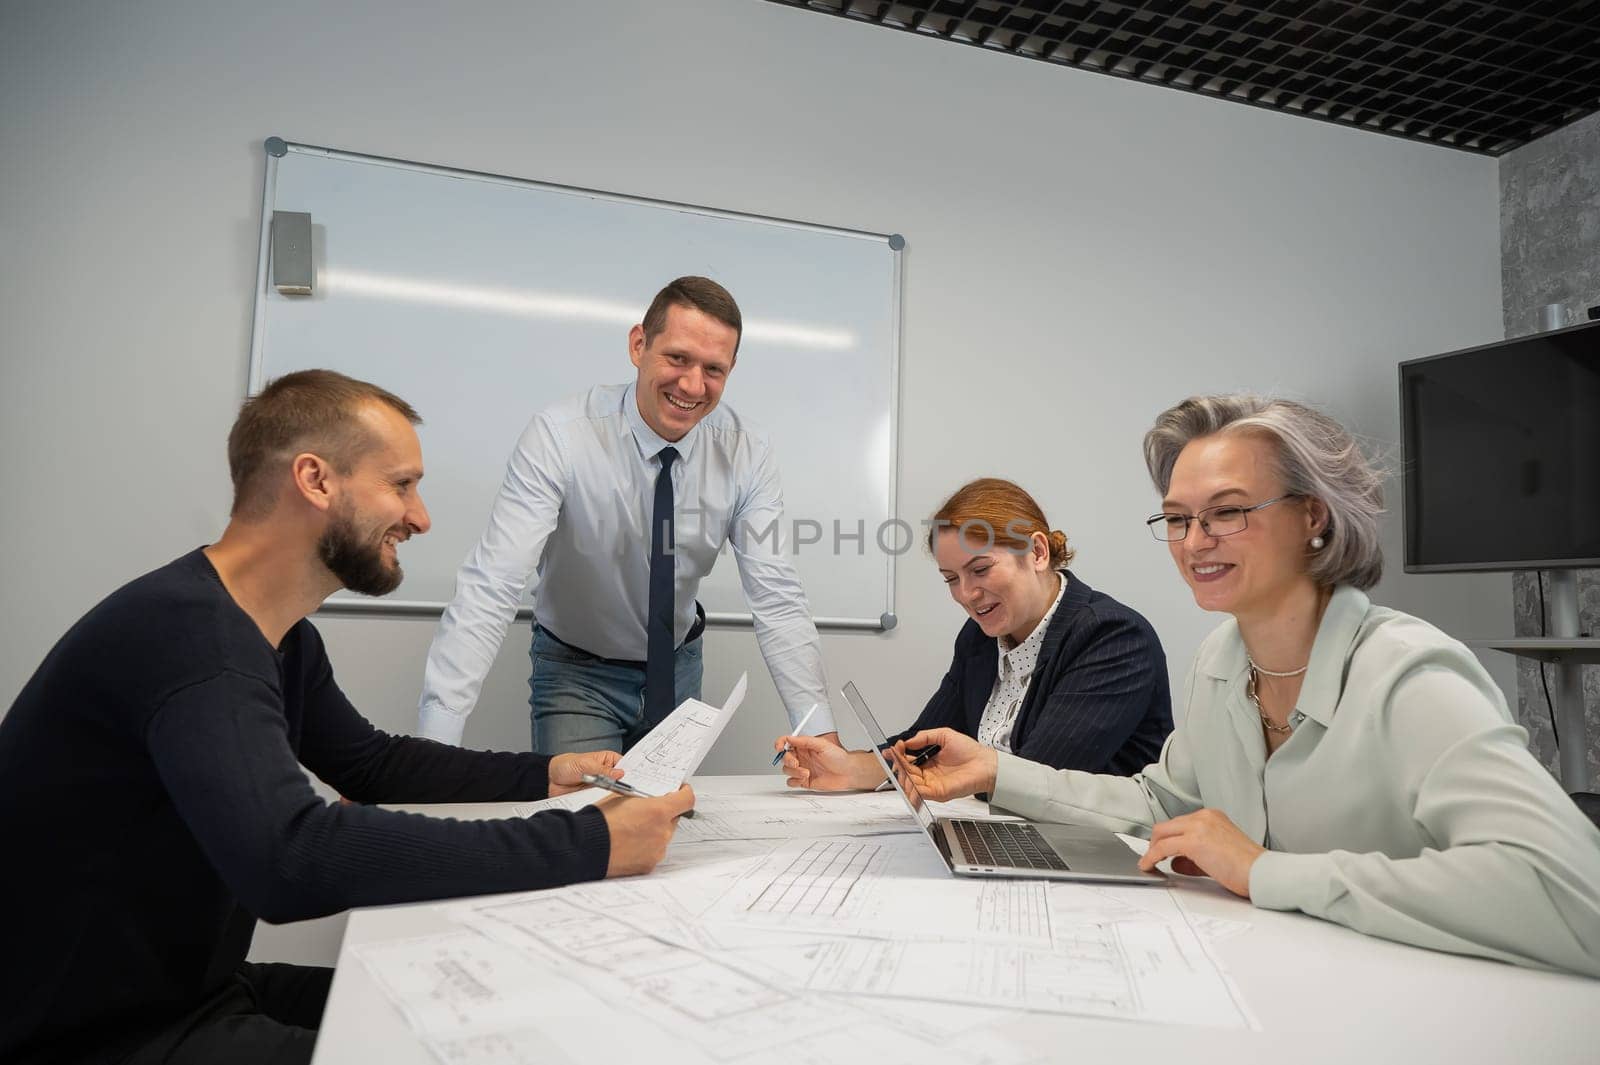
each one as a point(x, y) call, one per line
point(1337, 757)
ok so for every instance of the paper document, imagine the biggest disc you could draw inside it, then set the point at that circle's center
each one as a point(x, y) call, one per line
point(585, 978)
point(594, 936)
point(674, 749)
point(899, 926)
point(743, 948)
point(798, 813)
point(881, 887)
point(449, 980)
point(1135, 971)
point(667, 756)
point(1096, 955)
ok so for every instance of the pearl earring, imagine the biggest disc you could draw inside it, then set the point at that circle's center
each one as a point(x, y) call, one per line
point(1317, 542)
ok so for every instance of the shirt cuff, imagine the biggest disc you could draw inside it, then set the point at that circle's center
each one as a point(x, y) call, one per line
point(436, 723)
point(1283, 881)
point(821, 722)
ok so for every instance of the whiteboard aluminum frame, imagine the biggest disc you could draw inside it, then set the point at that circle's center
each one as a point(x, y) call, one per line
point(276, 148)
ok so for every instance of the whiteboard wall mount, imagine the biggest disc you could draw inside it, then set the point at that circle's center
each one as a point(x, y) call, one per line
point(404, 609)
point(488, 333)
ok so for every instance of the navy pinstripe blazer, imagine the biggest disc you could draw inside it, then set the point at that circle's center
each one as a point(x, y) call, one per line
point(1099, 700)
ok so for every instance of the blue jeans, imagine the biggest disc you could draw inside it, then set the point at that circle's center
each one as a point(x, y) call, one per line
point(582, 703)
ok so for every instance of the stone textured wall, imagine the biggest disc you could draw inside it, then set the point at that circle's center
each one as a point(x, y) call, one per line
point(1550, 253)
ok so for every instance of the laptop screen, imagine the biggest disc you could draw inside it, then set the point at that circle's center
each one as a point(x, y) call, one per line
point(892, 763)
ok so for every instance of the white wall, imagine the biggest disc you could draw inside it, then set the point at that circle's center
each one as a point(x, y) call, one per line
point(1083, 251)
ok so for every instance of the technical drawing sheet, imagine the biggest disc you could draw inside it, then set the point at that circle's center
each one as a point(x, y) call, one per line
point(533, 978)
point(666, 757)
point(797, 813)
point(900, 927)
point(1135, 970)
point(742, 948)
point(880, 887)
point(674, 749)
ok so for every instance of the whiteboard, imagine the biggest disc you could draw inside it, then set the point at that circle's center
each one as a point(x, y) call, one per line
point(481, 299)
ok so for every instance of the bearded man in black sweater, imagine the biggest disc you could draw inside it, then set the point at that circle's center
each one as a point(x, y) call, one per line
point(152, 797)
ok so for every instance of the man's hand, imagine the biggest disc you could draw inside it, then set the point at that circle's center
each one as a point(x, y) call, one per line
point(567, 770)
point(963, 766)
point(1205, 843)
point(641, 829)
point(821, 763)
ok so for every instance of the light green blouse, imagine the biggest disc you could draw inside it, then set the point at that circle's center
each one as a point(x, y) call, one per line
point(1404, 805)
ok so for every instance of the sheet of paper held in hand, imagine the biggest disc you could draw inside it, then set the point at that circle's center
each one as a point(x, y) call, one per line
point(666, 757)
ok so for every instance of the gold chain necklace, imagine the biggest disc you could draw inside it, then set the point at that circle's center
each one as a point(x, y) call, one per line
point(1250, 691)
point(1265, 672)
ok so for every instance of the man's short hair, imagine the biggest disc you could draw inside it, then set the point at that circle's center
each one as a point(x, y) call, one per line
point(309, 410)
point(700, 293)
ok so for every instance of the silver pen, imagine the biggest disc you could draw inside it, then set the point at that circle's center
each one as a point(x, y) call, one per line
point(803, 721)
point(594, 780)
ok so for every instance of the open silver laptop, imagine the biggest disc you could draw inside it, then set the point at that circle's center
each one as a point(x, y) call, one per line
point(1030, 849)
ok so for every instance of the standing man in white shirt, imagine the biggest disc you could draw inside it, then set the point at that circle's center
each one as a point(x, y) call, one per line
point(615, 505)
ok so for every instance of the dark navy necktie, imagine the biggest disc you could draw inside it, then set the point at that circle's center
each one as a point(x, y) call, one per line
point(660, 663)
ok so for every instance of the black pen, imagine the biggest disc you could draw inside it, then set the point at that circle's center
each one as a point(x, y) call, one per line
point(618, 787)
point(917, 758)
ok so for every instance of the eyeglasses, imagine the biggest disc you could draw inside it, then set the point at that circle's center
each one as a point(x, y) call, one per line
point(1216, 521)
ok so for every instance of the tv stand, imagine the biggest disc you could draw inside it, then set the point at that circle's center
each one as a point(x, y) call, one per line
point(1570, 653)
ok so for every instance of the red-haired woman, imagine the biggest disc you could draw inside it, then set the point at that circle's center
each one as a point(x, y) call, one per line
point(1045, 667)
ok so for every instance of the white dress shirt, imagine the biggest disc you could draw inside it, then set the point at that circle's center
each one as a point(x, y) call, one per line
point(1013, 674)
point(1404, 804)
point(572, 520)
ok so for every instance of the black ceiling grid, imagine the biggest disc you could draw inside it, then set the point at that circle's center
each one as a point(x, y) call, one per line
point(1484, 77)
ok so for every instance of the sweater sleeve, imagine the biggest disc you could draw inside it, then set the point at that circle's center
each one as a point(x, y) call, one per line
point(1513, 867)
point(366, 764)
point(223, 754)
point(1097, 698)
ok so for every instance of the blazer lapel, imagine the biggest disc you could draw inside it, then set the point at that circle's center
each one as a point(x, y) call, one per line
point(978, 681)
point(1062, 621)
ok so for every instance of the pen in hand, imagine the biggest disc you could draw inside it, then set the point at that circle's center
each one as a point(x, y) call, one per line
point(786, 748)
point(917, 757)
point(618, 787)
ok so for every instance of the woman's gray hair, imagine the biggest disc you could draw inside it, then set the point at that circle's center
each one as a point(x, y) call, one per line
point(1316, 457)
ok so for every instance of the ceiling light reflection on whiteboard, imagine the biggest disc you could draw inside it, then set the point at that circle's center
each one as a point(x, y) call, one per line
point(880, 455)
point(547, 305)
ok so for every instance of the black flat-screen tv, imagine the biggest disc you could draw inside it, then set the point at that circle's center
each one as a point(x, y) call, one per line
point(1501, 463)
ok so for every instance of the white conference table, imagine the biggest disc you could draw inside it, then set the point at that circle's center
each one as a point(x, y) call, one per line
point(1321, 993)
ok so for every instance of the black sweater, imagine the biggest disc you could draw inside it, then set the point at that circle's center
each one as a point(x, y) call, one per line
point(1099, 699)
point(153, 804)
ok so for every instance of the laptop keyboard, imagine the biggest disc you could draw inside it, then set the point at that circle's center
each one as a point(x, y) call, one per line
point(1005, 844)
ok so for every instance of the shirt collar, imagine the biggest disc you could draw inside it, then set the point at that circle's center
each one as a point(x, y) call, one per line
point(1036, 637)
point(649, 442)
point(1330, 651)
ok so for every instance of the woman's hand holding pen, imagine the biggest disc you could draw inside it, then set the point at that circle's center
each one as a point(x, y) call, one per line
point(641, 829)
point(963, 766)
point(823, 765)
